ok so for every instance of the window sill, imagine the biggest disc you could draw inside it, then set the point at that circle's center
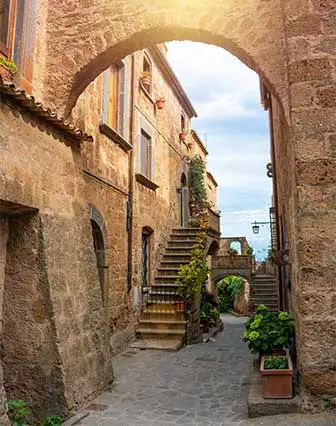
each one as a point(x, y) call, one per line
point(115, 137)
point(140, 178)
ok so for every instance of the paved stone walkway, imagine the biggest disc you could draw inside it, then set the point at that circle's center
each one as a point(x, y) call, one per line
point(201, 385)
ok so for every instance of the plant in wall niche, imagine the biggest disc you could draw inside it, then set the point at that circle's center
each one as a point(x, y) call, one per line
point(17, 412)
point(160, 103)
point(146, 79)
point(267, 332)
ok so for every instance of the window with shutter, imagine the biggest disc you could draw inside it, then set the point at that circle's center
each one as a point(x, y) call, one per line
point(146, 154)
point(121, 101)
point(5, 20)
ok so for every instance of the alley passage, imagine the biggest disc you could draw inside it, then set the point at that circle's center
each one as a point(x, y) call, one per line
point(201, 385)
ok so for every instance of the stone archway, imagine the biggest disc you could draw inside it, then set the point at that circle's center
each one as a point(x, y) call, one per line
point(112, 30)
point(288, 44)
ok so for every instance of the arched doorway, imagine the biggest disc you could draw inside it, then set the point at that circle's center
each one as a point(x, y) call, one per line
point(184, 202)
point(146, 243)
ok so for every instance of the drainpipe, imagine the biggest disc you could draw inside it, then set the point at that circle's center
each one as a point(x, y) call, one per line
point(275, 192)
point(131, 182)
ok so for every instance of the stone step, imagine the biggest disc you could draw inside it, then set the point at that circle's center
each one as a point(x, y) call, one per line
point(169, 298)
point(178, 250)
point(162, 324)
point(155, 344)
point(264, 292)
point(168, 271)
point(178, 244)
point(160, 332)
point(182, 256)
point(160, 279)
point(183, 237)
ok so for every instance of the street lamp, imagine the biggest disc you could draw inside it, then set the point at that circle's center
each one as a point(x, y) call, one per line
point(256, 226)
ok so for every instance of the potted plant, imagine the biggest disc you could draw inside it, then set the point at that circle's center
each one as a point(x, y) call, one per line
point(277, 373)
point(269, 332)
point(160, 103)
point(8, 69)
point(183, 135)
point(232, 252)
point(190, 145)
point(209, 316)
point(146, 79)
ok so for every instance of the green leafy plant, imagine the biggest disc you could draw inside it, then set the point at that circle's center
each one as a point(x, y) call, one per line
point(9, 65)
point(266, 331)
point(233, 251)
point(209, 314)
point(276, 363)
point(17, 412)
point(227, 289)
point(52, 421)
point(249, 251)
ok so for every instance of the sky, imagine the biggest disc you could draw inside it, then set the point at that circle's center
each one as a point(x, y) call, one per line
point(234, 127)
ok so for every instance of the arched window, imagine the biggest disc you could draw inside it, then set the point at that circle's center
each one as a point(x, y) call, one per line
point(236, 245)
point(146, 242)
point(99, 243)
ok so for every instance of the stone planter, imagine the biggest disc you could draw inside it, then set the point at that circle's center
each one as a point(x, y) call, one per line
point(277, 383)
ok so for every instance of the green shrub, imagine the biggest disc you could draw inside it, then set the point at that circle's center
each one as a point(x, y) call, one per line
point(249, 251)
point(209, 314)
point(9, 65)
point(52, 421)
point(266, 331)
point(17, 412)
point(276, 363)
point(227, 289)
point(231, 250)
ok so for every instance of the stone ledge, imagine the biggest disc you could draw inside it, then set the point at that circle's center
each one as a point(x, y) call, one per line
point(258, 406)
point(115, 137)
point(140, 178)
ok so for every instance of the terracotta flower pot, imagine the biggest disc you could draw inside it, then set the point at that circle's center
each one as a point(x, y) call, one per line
point(277, 383)
point(183, 136)
point(160, 103)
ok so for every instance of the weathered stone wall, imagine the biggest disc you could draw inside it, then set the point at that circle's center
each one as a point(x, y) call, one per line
point(43, 172)
point(3, 253)
point(310, 33)
point(30, 357)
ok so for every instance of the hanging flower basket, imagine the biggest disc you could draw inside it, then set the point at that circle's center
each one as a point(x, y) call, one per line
point(160, 103)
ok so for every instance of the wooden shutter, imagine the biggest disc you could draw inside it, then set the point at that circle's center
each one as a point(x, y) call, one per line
point(113, 98)
point(4, 25)
point(24, 40)
point(143, 158)
point(121, 100)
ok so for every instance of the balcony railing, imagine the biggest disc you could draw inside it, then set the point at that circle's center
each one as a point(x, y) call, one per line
point(233, 262)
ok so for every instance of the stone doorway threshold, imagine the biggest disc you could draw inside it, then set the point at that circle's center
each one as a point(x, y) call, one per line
point(258, 406)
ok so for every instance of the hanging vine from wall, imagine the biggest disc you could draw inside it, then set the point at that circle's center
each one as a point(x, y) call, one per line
point(198, 195)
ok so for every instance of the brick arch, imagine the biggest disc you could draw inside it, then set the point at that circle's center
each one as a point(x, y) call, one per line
point(110, 30)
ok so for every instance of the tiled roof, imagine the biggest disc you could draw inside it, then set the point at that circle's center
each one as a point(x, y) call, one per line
point(29, 103)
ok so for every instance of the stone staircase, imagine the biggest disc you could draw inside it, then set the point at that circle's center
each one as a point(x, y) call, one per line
point(264, 291)
point(162, 324)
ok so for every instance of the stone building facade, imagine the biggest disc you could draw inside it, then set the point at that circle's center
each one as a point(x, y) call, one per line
point(290, 44)
point(83, 222)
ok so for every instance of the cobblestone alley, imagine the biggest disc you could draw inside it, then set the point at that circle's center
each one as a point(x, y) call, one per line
point(205, 384)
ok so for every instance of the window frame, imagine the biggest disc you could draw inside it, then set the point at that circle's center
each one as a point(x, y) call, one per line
point(148, 59)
